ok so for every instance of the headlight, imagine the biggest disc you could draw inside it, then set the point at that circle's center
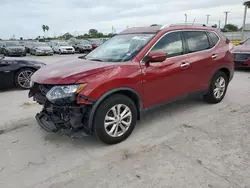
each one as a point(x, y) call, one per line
point(59, 92)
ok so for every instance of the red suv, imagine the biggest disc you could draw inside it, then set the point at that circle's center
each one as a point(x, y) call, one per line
point(140, 68)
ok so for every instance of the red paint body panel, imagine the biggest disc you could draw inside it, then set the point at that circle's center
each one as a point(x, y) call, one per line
point(155, 83)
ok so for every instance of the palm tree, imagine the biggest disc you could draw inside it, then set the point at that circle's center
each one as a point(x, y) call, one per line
point(47, 28)
point(44, 28)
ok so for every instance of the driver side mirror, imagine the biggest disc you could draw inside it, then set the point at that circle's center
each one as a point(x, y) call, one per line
point(82, 56)
point(155, 56)
point(240, 43)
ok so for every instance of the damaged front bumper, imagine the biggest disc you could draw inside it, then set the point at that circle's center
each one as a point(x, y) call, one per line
point(64, 116)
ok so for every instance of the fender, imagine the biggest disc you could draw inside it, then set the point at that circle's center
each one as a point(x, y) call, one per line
point(104, 96)
point(231, 73)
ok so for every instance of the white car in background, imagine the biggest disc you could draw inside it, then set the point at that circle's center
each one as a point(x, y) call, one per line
point(63, 48)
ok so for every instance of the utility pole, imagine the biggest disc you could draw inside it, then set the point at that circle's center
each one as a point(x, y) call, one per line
point(185, 18)
point(207, 18)
point(226, 12)
point(219, 24)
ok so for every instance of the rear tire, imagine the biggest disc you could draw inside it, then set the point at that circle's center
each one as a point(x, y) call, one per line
point(121, 124)
point(217, 89)
point(26, 72)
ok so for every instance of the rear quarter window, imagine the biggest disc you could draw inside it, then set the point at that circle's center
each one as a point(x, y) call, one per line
point(214, 38)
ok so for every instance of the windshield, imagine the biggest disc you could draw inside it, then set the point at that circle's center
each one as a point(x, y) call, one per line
point(9, 44)
point(41, 44)
point(120, 48)
point(63, 44)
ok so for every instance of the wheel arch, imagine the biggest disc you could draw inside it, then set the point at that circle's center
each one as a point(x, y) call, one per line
point(129, 92)
point(226, 70)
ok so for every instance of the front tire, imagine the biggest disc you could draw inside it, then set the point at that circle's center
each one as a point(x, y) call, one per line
point(115, 119)
point(217, 89)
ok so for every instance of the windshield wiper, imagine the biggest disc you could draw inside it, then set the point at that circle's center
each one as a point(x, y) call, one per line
point(96, 60)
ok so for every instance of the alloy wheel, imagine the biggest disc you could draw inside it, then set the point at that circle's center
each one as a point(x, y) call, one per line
point(118, 120)
point(219, 87)
point(24, 77)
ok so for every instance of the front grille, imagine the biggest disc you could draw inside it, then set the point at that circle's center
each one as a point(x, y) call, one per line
point(241, 56)
point(69, 49)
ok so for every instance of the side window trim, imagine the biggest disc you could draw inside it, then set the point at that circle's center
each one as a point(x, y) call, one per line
point(211, 43)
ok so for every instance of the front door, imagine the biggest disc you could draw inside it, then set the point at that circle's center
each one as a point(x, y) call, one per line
point(165, 81)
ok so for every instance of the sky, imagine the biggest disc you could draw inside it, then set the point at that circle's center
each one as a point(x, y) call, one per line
point(24, 18)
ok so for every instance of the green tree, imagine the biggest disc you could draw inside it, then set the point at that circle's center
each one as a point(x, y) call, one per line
point(231, 27)
point(47, 29)
point(44, 28)
point(93, 31)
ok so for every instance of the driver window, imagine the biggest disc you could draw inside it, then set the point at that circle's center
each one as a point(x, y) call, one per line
point(171, 44)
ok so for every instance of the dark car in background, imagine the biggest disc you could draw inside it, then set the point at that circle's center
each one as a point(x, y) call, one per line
point(17, 72)
point(13, 49)
point(82, 46)
point(28, 45)
point(242, 55)
point(2, 44)
point(41, 48)
point(97, 42)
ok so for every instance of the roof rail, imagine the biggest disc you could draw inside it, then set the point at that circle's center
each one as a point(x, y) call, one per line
point(188, 24)
point(182, 24)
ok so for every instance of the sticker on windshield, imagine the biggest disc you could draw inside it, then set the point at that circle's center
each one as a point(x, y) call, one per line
point(140, 37)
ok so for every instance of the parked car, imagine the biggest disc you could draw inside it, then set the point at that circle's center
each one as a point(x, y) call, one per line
point(28, 45)
point(63, 48)
point(2, 44)
point(95, 43)
point(82, 46)
point(242, 54)
point(107, 90)
point(13, 49)
point(17, 73)
point(41, 48)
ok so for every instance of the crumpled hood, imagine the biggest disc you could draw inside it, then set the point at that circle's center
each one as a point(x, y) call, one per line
point(68, 72)
point(242, 48)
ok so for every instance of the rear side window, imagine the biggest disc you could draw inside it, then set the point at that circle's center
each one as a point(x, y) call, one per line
point(196, 40)
point(171, 44)
point(214, 38)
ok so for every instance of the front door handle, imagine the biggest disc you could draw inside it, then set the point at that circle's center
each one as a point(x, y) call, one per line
point(214, 56)
point(185, 65)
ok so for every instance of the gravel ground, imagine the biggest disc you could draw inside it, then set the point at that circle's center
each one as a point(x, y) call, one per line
point(187, 144)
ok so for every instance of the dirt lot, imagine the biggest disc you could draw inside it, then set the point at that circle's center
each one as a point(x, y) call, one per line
point(187, 144)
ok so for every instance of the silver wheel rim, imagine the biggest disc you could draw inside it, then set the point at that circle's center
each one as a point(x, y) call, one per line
point(23, 78)
point(118, 120)
point(219, 87)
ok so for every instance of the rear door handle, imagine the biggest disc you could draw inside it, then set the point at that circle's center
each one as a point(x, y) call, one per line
point(214, 56)
point(185, 65)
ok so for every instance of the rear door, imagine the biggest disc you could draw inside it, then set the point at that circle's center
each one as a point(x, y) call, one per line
point(202, 57)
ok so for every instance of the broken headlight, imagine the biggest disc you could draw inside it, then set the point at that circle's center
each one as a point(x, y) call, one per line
point(64, 91)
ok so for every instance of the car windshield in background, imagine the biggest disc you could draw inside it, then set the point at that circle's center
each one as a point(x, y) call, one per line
point(41, 45)
point(120, 48)
point(84, 42)
point(10, 44)
point(63, 44)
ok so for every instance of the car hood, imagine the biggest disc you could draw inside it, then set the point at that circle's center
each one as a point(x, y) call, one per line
point(15, 47)
point(65, 47)
point(68, 72)
point(242, 48)
point(43, 48)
